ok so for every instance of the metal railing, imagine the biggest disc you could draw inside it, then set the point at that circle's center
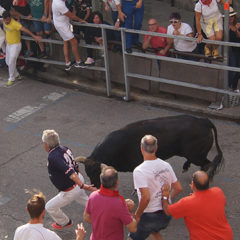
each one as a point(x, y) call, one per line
point(128, 74)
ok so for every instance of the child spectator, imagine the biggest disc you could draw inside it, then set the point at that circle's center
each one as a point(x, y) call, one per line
point(82, 9)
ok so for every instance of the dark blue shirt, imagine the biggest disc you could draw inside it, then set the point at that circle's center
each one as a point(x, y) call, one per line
point(61, 165)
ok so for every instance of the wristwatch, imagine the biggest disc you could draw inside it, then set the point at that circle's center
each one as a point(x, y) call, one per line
point(165, 198)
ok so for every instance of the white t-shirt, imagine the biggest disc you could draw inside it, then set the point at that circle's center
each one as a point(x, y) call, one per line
point(208, 11)
point(113, 4)
point(153, 174)
point(34, 232)
point(58, 10)
point(179, 44)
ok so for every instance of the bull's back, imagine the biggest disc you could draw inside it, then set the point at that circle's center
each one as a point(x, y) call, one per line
point(121, 148)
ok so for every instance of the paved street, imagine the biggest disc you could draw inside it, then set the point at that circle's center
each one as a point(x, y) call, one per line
point(82, 120)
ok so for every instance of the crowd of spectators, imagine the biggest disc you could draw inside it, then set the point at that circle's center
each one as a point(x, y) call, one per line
point(126, 13)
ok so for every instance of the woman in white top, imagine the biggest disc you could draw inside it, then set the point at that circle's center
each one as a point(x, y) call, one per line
point(209, 19)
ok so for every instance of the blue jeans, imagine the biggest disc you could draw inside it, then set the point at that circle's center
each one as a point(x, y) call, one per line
point(234, 61)
point(117, 34)
point(150, 223)
point(133, 14)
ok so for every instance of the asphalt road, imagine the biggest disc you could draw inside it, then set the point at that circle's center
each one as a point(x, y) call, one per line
point(82, 120)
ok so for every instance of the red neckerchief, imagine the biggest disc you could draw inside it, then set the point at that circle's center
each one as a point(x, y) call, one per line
point(110, 193)
point(206, 2)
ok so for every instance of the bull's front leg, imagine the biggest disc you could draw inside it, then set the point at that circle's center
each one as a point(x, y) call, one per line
point(186, 166)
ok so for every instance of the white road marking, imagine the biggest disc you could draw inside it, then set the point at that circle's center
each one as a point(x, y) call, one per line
point(28, 110)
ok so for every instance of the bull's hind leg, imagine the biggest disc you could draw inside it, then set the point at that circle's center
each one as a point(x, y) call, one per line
point(186, 166)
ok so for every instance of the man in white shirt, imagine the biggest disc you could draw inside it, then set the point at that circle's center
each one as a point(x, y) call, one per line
point(149, 177)
point(179, 28)
point(61, 20)
point(34, 229)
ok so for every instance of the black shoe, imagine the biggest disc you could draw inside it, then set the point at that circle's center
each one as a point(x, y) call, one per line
point(80, 65)
point(128, 50)
point(138, 45)
point(42, 55)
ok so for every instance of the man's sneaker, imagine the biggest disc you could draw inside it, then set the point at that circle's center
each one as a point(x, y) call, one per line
point(10, 83)
point(89, 61)
point(18, 77)
point(215, 53)
point(207, 52)
point(28, 53)
point(68, 66)
point(79, 64)
point(59, 227)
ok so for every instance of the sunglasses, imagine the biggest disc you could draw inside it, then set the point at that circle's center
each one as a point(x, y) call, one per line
point(152, 24)
point(173, 21)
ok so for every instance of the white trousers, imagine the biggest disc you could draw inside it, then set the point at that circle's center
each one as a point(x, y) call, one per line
point(12, 53)
point(2, 40)
point(62, 199)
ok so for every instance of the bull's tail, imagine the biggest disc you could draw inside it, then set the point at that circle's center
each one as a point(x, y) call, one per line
point(218, 161)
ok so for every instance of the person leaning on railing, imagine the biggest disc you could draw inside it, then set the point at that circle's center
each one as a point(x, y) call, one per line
point(234, 53)
point(209, 19)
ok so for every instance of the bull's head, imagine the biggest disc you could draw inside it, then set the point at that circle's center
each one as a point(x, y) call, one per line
point(92, 169)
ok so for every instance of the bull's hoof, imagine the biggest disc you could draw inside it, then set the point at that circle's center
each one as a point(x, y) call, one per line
point(184, 170)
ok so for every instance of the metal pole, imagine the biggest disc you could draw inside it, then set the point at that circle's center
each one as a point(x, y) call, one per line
point(125, 66)
point(226, 48)
point(106, 62)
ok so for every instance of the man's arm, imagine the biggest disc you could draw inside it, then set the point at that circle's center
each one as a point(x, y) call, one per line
point(132, 226)
point(165, 197)
point(74, 177)
point(198, 26)
point(74, 17)
point(36, 38)
point(146, 42)
point(176, 189)
point(87, 217)
point(145, 199)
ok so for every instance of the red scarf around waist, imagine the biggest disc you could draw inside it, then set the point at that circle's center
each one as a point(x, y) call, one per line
point(110, 193)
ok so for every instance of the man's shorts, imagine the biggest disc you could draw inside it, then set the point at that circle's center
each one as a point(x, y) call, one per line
point(150, 223)
point(212, 25)
point(42, 26)
point(65, 31)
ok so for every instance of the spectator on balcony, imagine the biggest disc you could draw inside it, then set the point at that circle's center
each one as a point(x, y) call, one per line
point(61, 20)
point(40, 10)
point(209, 19)
point(234, 53)
point(118, 18)
point(158, 43)
point(22, 7)
point(83, 10)
point(13, 38)
point(2, 36)
point(178, 28)
point(134, 11)
point(94, 34)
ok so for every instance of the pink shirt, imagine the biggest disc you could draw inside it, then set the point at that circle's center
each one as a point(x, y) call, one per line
point(108, 216)
point(157, 42)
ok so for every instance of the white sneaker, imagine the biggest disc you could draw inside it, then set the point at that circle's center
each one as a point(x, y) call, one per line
point(89, 61)
point(236, 90)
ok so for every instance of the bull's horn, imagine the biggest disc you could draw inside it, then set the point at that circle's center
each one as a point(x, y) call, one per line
point(80, 159)
point(103, 166)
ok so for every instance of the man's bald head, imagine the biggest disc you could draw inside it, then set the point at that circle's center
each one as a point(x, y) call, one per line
point(200, 180)
point(149, 143)
point(109, 177)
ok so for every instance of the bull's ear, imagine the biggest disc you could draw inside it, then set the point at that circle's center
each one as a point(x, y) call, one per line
point(80, 159)
point(103, 166)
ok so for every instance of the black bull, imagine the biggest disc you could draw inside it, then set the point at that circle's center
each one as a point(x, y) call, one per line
point(183, 135)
